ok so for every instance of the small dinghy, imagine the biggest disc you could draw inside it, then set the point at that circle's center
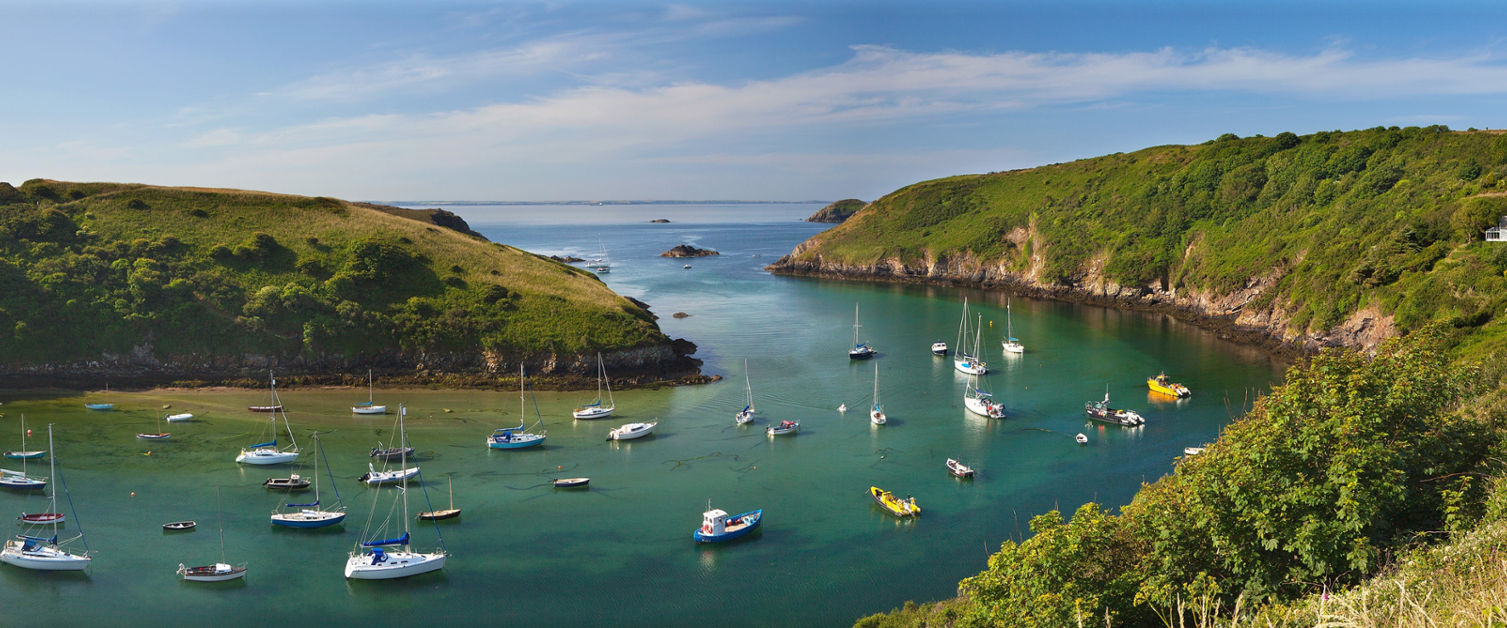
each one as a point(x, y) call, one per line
point(290, 483)
point(373, 477)
point(391, 453)
point(959, 469)
point(785, 427)
point(41, 517)
point(572, 482)
point(939, 348)
point(160, 435)
point(178, 418)
point(717, 527)
point(447, 513)
point(23, 454)
point(1082, 440)
point(687, 267)
point(899, 507)
point(1192, 451)
point(100, 406)
point(218, 572)
point(265, 408)
point(179, 526)
point(632, 431)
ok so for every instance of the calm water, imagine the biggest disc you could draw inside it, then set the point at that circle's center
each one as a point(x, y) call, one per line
point(525, 554)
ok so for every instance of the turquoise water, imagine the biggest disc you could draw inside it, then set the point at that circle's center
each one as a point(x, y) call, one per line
point(525, 554)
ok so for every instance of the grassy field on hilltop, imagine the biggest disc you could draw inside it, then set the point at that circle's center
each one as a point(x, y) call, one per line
point(1386, 217)
point(89, 268)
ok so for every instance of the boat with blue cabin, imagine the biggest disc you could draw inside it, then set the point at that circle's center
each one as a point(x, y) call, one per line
point(717, 527)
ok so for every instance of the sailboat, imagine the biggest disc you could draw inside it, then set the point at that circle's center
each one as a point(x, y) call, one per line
point(19, 480)
point(372, 560)
point(388, 454)
point(746, 416)
point(23, 454)
point(860, 350)
point(268, 452)
point(1011, 343)
point(160, 435)
point(221, 571)
point(600, 263)
point(47, 553)
point(368, 407)
point(448, 513)
point(516, 437)
point(102, 406)
point(309, 515)
point(595, 409)
point(876, 413)
point(963, 361)
point(976, 399)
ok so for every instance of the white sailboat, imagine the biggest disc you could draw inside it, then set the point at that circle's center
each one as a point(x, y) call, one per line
point(746, 416)
point(218, 572)
point(861, 350)
point(311, 515)
point(19, 480)
point(976, 399)
point(876, 413)
point(268, 452)
point(600, 263)
point(1011, 343)
point(47, 553)
point(963, 361)
point(23, 454)
point(595, 409)
point(373, 560)
point(369, 407)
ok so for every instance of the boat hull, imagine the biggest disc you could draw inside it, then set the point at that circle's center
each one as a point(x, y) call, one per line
point(45, 559)
point(1172, 390)
point(979, 407)
point(775, 430)
point(388, 477)
point(178, 418)
point(892, 505)
point(265, 408)
point(26, 485)
point(369, 409)
point(970, 368)
point(624, 433)
point(877, 418)
point(100, 407)
point(1014, 347)
point(179, 526)
point(308, 519)
point(593, 413)
point(439, 515)
point(515, 444)
point(24, 455)
point(572, 482)
point(264, 457)
point(758, 517)
point(153, 436)
point(397, 565)
point(43, 517)
point(211, 573)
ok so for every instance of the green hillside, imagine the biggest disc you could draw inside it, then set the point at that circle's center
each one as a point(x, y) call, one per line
point(1387, 219)
point(97, 269)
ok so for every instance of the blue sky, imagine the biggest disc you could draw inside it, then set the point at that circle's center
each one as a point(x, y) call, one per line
point(721, 100)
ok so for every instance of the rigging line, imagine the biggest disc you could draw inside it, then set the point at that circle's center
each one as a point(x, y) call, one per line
point(425, 486)
point(71, 509)
point(330, 472)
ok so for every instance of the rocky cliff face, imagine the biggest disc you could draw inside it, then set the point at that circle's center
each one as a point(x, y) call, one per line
point(667, 364)
point(837, 212)
point(1242, 315)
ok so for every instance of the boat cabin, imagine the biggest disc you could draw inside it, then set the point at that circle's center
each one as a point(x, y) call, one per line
point(714, 522)
point(1499, 232)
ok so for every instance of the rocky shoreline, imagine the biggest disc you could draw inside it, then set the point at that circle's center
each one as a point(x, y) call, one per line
point(1241, 317)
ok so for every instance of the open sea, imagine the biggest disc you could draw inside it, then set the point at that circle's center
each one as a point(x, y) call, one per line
point(526, 554)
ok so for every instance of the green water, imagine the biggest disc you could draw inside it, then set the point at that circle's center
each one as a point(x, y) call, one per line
point(526, 554)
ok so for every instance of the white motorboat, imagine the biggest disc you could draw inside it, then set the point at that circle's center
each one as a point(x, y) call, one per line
point(178, 418)
point(373, 477)
point(962, 360)
point(370, 407)
point(746, 415)
point(939, 348)
point(268, 452)
point(959, 469)
point(595, 409)
point(1010, 342)
point(843, 408)
point(785, 427)
point(372, 560)
point(876, 412)
point(632, 431)
point(218, 572)
point(30, 551)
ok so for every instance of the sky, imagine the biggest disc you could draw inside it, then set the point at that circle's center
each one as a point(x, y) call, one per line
point(813, 100)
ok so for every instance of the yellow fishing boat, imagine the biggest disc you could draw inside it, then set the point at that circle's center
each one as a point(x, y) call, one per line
point(899, 507)
point(1161, 384)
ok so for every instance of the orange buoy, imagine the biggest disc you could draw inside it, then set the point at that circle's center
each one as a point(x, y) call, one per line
point(133, 493)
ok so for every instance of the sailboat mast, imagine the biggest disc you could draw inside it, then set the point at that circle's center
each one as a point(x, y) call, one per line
point(371, 396)
point(52, 461)
point(978, 338)
point(963, 327)
point(855, 325)
point(23, 446)
point(522, 407)
point(318, 449)
point(220, 514)
point(403, 462)
point(876, 385)
point(603, 366)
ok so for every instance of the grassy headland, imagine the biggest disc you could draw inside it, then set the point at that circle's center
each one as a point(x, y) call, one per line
point(1335, 238)
point(159, 283)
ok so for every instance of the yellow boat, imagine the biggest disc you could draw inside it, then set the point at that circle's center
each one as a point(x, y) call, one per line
point(899, 507)
point(1161, 384)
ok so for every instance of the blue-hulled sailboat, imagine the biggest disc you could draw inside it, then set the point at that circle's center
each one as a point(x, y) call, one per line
point(310, 515)
point(516, 437)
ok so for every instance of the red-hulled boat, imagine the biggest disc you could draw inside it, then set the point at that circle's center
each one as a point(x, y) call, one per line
point(42, 517)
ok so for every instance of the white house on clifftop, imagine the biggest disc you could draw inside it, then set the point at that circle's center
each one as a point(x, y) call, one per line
point(1499, 232)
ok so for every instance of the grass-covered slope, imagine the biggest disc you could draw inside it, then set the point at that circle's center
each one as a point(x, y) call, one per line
point(99, 269)
point(1294, 234)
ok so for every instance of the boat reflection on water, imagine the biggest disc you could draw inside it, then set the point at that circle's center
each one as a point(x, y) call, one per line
point(1162, 399)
